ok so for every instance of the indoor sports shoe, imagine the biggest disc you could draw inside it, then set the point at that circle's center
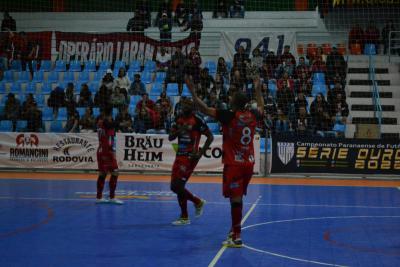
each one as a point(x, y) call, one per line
point(102, 201)
point(230, 243)
point(116, 201)
point(199, 208)
point(181, 221)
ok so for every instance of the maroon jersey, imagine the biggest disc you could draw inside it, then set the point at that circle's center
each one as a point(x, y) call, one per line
point(238, 133)
point(188, 141)
point(106, 137)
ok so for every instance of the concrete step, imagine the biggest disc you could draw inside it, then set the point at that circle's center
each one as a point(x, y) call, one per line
point(372, 120)
point(361, 108)
point(393, 77)
point(370, 95)
point(371, 114)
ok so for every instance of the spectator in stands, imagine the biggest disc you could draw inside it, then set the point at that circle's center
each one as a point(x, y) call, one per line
point(87, 122)
point(175, 75)
point(72, 125)
point(70, 97)
point(164, 7)
point(251, 70)
point(206, 82)
point(389, 27)
point(145, 103)
point(118, 99)
point(337, 89)
point(137, 87)
point(143, 121)
point(257, 58)
point(339, 109)
point(285, 82)
point(238, 60)
point(56, 99)
point(285, 95)
point(237, 9)
point(165, 27)
point(335, 64)
point(270, 111)
point(178, 55)
point(143, 11)
point(287, 55)
point(213, 101)
point(85, 97)
point(163, 59)
point(182, 14)
point(178, 106)
point(193, 65)
point(195, 25)
point(137, 24)
point(356, 36)
point(237, 80)
point(122, 81)
point(319, 111)
point(108, 80)
point(300, 101)
point(304, 84)
point(195, 10)
point(34, 119)
point(269, 66)
point(166, 107)
point(124, 121)
point(372, 35)
point(318, 66)
point(301, 68)
point(303, 124)
point(286, 67)
point(26, 106)
point(221, 9)
point(8, 23)
point(219, 87)
point(159, 121)
point(102, 99)
point(222, 68)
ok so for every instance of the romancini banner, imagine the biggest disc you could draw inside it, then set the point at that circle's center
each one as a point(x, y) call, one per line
point(321, 155)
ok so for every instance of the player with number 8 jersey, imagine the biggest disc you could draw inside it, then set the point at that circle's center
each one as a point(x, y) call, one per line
point(238, 128)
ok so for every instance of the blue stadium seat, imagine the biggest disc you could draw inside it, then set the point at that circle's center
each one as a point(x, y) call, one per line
point(21, 125)
point(69, 77)
point(134, 100)
point(46, 89)
point(319, 77)
point(119, 64)
point(272, 87)
point(90, 66)
point(99, 75)
point(104, 65)
point(81, 111)
point(25, 76)
point(94, 87)
point(229, 65)
point(56, 127)
point(16, 88)
point(31, 88)
point(154, 98)
point(60, 66)
point(186, 92)
point(172, 89)
point(47, 114)
point(8, 76)
point(40, 101)
point(262, 145)
point(21, 97)
point(115, 73)
point(53, 77)
point(96, 112)
point(147, 77)
point(75, 66)
point(369, 49)
point(16, 65)
point(131, 75)
point(150, 66)
point(38, 76)
point(62, 114)
point(212, 67)
point(214, 127)
point(338, 127)
point(160, 77)
point(319, 88)
point(34, 65)
point(83, 77)
point(3, 101)
point(6, 126)
point(46, 65)
point(132, 109)
point(2, 88)
point(134, 66)
point(156, 89)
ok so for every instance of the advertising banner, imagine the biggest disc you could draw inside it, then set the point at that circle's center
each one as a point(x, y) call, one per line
point(265, 41)
point(322, 155)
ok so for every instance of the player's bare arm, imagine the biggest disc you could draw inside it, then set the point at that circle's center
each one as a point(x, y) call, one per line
point(200, 104)
point(207, 144)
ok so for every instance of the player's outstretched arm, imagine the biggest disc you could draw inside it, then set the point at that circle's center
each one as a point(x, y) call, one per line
point(202, 106)
point(259, 97)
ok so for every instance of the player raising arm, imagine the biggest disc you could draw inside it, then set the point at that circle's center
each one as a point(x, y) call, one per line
point(238, 127)
point(188, 128)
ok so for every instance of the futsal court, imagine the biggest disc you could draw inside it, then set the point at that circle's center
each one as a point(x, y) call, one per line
point(51, 219)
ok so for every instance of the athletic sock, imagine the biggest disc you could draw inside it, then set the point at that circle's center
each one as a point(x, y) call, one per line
point(113, 185)
point(182, 200)
point(100, 186)
point(192, 197)
point(236, 213)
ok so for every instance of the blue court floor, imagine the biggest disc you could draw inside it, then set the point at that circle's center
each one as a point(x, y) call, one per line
point(56, 223)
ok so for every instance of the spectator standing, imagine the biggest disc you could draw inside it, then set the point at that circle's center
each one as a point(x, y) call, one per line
point(143, 11)
point(70, 97)
point(165, 7)
point(87, 122)
point(137, 87)
point(181, 14)
point(102, 99)
point(136, 24)
point(287, 55)
point(356, 36)
point(34, 119)
point(118, 99)
point(237, 9)
point(122, 81)
point(165, 27)
point(163, 59)
point(178, 55)
point(389, 27)
point(85, 97)
point(8, 23)
point(335, 64)
point(175, 75)
point(108, 80)
point(193, 64)
point(56, 99)
point(221, 9)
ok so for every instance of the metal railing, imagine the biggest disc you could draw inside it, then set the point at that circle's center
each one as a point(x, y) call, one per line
point(375, 93)
point(394, 42)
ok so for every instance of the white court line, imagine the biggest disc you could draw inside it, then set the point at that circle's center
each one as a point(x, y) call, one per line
point(223, 248)
point(306, 219)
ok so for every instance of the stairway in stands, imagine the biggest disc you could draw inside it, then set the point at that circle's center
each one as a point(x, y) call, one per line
point(360, 96)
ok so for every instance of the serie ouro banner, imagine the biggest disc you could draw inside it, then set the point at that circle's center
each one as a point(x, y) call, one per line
point(135, 152)
point(265, 41)
point(156, 153)
point(321, 155)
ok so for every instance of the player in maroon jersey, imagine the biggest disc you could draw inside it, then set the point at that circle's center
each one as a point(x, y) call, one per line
point(106, 159)
point(238, 128)
point(188, 128)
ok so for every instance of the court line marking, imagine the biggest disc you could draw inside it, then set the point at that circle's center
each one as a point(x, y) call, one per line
point(306, 219)
point(223, 248)
point(211, 202)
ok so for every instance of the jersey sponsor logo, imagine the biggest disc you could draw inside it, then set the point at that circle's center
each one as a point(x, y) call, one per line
point(285, 152)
